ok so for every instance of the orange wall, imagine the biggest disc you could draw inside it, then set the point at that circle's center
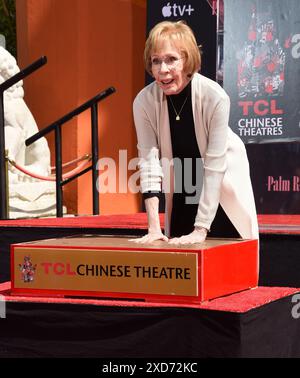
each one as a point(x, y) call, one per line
point(90, 45)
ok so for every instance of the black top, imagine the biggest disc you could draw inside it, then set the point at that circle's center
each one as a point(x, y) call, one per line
point(183, 139)
point(184, 143)
point(185, 152)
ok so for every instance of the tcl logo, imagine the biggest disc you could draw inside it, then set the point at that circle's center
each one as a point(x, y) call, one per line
point(176, 10)
point(58, 268)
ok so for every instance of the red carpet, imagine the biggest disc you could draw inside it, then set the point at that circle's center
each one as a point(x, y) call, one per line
point(279, 224)
point(269, 224)
point(137, 221)
point(238, 302)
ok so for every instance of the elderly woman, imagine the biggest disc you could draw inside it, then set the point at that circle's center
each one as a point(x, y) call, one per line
point(185, 143)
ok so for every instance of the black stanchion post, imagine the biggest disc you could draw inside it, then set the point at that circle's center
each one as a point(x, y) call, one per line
point(58, 164)
point(95, 156)
point(3, 188)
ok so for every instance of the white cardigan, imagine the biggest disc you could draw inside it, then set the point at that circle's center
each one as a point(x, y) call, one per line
point(226, 169)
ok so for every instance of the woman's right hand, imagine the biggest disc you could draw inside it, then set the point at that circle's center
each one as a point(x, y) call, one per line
point(154, 229)
point(150, 238)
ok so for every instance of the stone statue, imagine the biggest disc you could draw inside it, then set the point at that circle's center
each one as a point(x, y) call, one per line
point(28, 196)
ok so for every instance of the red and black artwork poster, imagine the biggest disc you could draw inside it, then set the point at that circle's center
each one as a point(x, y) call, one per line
point(262, 68)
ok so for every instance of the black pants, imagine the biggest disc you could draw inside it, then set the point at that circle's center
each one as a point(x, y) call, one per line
point(183, 219)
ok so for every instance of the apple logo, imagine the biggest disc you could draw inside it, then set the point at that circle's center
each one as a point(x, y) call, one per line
point(166, 11)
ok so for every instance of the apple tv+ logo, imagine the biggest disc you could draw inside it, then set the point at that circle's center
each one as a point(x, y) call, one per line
point(176, 10)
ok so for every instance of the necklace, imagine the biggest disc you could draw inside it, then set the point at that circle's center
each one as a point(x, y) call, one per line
point(178, 113)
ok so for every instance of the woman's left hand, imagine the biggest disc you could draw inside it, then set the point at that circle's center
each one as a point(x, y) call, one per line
point(197, 236)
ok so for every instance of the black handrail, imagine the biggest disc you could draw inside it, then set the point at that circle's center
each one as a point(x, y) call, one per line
point(56, 127)
point(23, 73)
point(3, 87)
point(69, 116)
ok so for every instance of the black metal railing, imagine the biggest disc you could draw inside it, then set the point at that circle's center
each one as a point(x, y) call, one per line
point(3, 87)
point(56, 127)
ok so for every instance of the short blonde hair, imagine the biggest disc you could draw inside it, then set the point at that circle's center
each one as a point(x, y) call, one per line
point(183, 37)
